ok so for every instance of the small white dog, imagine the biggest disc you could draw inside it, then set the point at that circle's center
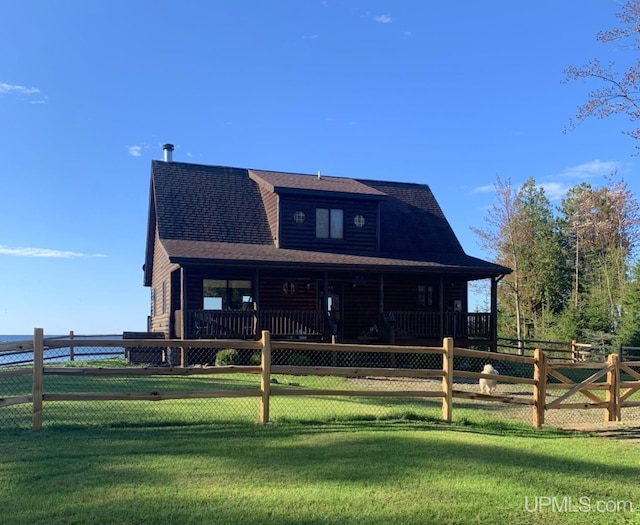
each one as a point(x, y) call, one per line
point(488, 386)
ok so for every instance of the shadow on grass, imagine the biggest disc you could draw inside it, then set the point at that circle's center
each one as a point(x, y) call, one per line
point(405, 450)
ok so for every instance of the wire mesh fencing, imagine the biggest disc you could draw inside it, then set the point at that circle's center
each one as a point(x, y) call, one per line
point(354, 382)
point(110, 381)
point(149, 385)
point(16, 362)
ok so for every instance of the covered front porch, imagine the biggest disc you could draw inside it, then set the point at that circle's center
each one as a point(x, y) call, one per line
point(371, 307)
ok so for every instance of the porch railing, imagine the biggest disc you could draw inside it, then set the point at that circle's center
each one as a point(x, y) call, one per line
point(247, 324)
point(433, 324)
point(292, 323)
point(212, 324)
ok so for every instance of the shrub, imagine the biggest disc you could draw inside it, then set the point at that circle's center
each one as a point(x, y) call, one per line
point(299, 360)
point(228, 356)
point(255, 359)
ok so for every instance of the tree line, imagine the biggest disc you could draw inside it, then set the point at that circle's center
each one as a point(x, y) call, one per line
point(573, 269)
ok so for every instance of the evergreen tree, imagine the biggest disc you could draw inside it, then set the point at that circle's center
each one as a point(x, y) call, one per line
point(629, 329)
point(570, 278)
point(524, 236)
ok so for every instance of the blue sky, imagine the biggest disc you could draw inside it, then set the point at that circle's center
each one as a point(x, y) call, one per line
point(449, 94)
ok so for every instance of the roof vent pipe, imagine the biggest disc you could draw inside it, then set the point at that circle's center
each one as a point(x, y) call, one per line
point(168, 152)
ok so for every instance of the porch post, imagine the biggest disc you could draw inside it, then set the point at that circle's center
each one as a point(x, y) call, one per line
point(441, 305)
point(183, 302)
point(325, 308)
point(381, 294)
point(494, 313)
point(256, 300)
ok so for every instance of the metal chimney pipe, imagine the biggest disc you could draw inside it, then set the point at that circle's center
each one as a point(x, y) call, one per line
point(168, 152)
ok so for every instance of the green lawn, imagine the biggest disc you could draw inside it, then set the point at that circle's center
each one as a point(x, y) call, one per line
point(234, 410)
point(386, 471)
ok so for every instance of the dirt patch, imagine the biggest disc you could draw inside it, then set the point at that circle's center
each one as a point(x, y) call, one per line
point(612, 430)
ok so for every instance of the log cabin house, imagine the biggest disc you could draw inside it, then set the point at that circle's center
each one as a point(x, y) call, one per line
point(231, 252)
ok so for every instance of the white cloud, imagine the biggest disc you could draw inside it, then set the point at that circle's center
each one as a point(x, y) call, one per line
point(555, 190)
point(383, 19)
point(588, 170)
point(6, 88)
point(310, 37)
point(408, 34)
point(43, 252)
point(484, 189)
point(556, 186)
point(135, 151)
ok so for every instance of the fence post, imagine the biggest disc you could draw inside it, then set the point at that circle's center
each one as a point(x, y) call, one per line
point(38, 365)
point(539, 387)
point(71, 348)
point(265, 378)
point(612, 394)
point(447, 378)
point(574, 352)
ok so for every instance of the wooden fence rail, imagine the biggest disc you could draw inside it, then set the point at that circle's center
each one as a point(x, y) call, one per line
point(553, 385)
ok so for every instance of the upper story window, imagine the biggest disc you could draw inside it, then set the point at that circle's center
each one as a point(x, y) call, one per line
point(359, 221)
point(299, 217)
point(329, 223)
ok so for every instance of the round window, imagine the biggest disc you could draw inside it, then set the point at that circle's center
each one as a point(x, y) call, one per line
point(299, 217)
point(358, 220)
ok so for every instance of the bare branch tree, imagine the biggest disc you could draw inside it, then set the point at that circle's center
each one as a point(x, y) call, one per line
point(619, 91)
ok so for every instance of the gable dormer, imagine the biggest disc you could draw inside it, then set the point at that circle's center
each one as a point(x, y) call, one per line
point(321, 213)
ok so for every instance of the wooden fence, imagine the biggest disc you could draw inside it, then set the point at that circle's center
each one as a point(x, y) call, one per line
point(550, 388)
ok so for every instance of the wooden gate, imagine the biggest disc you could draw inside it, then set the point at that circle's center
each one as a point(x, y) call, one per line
point(629, 387)
point(605, 378)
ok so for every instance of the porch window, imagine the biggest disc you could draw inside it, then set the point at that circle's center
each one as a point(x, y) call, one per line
point(425, 295)
point(226, 294)
point(329, 223)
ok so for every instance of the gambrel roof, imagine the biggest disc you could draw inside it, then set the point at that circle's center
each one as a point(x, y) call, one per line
point(217, 214)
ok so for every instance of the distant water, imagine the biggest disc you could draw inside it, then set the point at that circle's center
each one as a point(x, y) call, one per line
point(9, 338)
point(86, 353)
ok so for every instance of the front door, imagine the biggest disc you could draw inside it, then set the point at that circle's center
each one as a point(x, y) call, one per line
point(334, 306)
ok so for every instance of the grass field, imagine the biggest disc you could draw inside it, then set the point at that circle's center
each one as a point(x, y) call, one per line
point(324, 459)
point(387, 471)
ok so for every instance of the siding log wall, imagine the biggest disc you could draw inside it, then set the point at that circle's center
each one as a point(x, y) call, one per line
point(162, 268)
point(272, 296)
point(303, 236)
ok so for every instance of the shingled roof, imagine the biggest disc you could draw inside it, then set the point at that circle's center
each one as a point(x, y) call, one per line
point(216, 214)
point(278, 182)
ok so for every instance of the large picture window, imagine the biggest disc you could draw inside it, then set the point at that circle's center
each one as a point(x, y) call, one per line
point(329, 223)
point(226, 294)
